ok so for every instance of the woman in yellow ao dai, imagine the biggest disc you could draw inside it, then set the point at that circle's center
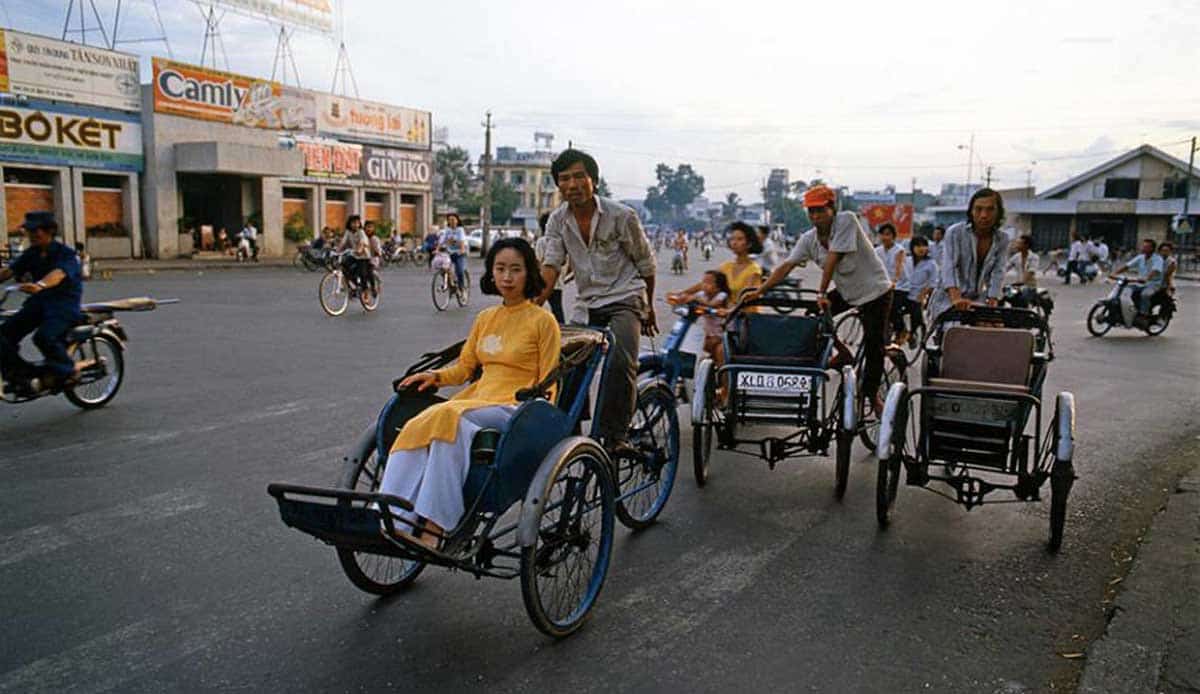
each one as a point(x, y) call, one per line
point(517, 344)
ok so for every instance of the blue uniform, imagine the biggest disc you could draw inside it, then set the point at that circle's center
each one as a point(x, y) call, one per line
point(49, 314)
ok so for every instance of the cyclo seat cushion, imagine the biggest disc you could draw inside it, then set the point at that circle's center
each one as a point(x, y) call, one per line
point(761, 338)
point(985, 357)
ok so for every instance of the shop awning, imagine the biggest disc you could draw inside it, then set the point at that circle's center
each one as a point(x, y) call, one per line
point(232, 158)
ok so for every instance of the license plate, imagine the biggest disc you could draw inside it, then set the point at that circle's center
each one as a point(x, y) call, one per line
point(975, 410)
point(759, 383)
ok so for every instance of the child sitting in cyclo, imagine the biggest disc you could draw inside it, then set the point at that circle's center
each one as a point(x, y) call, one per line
point(713, 293)
point(920, 278)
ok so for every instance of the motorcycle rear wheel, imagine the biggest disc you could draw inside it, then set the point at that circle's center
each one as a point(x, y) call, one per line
point(102, 372)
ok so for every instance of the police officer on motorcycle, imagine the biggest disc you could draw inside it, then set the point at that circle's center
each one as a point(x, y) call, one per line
point(52, 309)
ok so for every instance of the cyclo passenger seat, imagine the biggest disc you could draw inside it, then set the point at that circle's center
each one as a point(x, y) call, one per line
point(761, 338)
point(995, 359)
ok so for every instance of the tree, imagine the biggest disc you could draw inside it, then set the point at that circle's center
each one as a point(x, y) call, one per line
point(676, 189)
point(602, 189)
point(453, 164)
point(731, 207)
point(505, 201)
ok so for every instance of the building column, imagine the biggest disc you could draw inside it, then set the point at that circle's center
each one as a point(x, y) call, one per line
point(131, 219)
point(65, 202)
point(272, 216)
point(3, 212)
point(74, 233)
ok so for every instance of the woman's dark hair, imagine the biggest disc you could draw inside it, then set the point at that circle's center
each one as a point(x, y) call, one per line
point(457, 219)
point(986, 193)
point(918, 240)
point(570, 157)
point(764, 229)
point(534, 284)
point(753, 244)
point(721, 281)
point(886, 226)
point(352, 219)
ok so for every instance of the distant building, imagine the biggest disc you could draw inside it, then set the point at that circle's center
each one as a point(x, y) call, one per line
point(529, 174)
point(779, 179)
point(1134, 196)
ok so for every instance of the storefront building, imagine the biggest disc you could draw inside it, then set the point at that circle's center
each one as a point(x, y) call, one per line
point(222, 149)
point(70, 142)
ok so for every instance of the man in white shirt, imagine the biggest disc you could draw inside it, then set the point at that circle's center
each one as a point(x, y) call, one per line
point(890, 253)
point(769, 258)
point(250, 233)
point(1076, 259)
point(1102, 255)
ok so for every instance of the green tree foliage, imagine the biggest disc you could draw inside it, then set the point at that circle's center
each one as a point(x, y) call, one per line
point(505, 201)
point(453, 164)
point(731, 207)
point(676, 189)
point(786, 206)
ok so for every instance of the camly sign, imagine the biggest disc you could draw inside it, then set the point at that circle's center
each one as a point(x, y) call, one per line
point(63, 135)
point(197, 92)
point(43, 68)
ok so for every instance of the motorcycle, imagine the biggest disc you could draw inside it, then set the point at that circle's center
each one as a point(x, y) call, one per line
point(97, 345)
point(1036, 298)
point(311, 259)
point(1118, 310)
point(708, 250)
point(1090, 271)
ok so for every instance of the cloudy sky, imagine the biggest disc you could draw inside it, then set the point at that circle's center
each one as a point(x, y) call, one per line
point(858, 93)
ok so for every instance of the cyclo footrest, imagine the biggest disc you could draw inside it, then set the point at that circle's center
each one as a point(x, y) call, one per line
point(331, 516)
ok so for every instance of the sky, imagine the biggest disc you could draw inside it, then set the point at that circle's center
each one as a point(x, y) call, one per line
point(862, 94)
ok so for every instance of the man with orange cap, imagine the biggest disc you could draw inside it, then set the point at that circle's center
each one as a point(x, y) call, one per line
point(847, 257)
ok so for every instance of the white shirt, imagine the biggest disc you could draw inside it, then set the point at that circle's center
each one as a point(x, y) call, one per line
point(769, 257)
point(1102, 251)
point(888, 257)
point(250, 232)
point(1029, 265)
point(1076, 251)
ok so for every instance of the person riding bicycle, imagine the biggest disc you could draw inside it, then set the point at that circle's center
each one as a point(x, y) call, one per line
point(375, 248)
point(973, 256)
point(1148, 268)
point(680, 244)
point(453, 240)
point(838, 243)
point(357, 264)
point(52, 309)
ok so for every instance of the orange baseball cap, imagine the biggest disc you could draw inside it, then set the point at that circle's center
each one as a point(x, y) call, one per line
point(819, 196)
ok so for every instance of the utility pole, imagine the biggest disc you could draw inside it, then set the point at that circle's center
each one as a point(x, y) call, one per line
point(988, 175)
point(485, 213)
point(1185, 225)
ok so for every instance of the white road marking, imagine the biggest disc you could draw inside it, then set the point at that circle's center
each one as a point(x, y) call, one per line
point(43, 539)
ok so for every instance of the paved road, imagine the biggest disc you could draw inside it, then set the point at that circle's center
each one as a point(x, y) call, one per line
point(140, 552)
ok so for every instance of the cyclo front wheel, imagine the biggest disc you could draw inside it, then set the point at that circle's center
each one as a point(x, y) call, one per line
point(377, 574)
point(101, 362)
point(887, 480)
point(563, 571)
point(868, 430)
point(333, 293)
point(644, 485)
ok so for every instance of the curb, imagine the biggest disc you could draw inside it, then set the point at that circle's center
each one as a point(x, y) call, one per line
point(1152, 644)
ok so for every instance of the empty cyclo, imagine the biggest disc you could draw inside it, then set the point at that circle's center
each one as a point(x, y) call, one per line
point(976, 425)
point(777, 374)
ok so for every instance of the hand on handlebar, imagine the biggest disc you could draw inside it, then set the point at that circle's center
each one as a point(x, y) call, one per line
point(963, 304)
point(423, 381)
point(823, 302)
point(30, 287)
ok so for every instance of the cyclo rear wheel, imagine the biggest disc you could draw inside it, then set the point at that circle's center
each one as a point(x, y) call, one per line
point(563, 571)
point(377, 574)
point(654, 431)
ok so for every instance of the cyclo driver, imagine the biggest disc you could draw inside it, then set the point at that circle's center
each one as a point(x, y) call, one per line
point(847, 258)
point(973, 257)
point(51, 310)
